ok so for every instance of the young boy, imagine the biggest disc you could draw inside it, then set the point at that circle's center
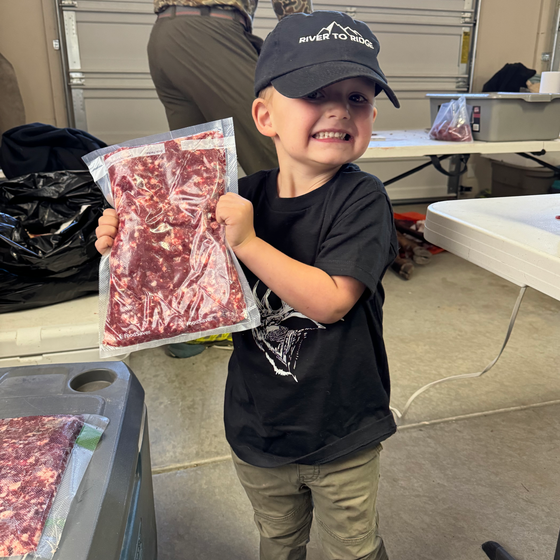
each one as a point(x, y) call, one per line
point(307, 394)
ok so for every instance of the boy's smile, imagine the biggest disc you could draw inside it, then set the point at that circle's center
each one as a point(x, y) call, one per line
point(332, 136)
point(324, 130)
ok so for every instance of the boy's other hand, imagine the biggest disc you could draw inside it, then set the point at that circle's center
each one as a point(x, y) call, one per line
point(106, 230)
point(236, 213)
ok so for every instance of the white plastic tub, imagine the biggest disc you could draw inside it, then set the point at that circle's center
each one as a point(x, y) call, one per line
point(63, 333)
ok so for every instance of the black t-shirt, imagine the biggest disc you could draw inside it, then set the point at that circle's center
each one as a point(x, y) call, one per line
point(299, 391)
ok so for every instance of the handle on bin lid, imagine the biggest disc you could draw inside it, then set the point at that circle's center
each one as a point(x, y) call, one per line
point(529, 97)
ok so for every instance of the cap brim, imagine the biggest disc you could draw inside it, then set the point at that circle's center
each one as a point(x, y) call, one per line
point(304, 81)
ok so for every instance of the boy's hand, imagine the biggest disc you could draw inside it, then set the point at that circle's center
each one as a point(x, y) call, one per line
point(107, 230)
point(236, 213)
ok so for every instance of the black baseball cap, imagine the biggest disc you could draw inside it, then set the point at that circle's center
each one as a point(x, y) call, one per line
point(306, 52)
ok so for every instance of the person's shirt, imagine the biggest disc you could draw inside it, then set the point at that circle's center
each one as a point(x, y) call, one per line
point(246, 7)
point(299, 391)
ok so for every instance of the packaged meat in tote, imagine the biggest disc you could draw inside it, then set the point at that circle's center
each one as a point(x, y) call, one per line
point(453, 122)
point(170, 276)
point(42, 462)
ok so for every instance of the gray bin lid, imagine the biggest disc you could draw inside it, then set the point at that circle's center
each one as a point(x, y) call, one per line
point(529, 97)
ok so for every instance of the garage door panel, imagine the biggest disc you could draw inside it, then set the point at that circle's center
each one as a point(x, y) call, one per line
point(118, 6)
point(122, 48)
point(435, 53)
point(119, 116)
point(409, 6)
point(417, 114)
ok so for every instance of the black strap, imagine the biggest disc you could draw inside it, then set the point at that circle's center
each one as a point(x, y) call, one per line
point(464, 160)
point(554, 168)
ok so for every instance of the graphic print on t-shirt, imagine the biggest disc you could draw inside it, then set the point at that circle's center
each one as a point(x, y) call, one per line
point(279, 343)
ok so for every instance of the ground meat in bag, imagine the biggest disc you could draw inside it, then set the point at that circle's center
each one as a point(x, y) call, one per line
point(34, 451)
point(452, 123)
point(171, 272)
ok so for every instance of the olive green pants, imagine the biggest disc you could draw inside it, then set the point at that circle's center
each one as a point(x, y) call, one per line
point(342, 496)
point(203, 69)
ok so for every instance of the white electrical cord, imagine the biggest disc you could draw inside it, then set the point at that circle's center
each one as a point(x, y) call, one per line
point(400, 415)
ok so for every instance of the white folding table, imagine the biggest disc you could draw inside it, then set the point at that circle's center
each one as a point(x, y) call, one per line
point(396, 144)
point(417, 143)
point(517, 238)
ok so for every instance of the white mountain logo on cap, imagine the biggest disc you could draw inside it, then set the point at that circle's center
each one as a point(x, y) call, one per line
point(329, 29)
point(339, 33)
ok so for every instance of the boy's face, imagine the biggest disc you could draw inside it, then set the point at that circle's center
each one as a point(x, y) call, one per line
point(328, 128)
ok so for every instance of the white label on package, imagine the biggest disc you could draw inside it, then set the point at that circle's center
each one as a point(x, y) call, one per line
point(141, 151)
point(207, 144)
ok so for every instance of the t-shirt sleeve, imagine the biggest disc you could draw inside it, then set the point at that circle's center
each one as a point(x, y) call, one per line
point(362, 241)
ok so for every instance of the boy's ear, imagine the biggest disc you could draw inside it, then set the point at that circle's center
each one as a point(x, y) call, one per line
point(262, 118)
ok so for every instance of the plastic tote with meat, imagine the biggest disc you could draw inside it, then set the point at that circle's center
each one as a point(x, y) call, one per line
point(170, 277)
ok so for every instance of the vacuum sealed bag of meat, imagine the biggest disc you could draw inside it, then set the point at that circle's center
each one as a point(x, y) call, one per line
point(170, 277)
point(42, 462)
point(453, 122)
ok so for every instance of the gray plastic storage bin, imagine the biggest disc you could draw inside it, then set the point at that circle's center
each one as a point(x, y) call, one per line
point(514, 180)
point(112, 516)
point(506, 117)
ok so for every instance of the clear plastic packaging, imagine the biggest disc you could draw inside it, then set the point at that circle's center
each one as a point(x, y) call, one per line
point(170, 276)
point(452, 123)
point(44, 459)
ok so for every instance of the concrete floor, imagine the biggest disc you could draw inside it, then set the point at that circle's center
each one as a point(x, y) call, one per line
point(474, 460)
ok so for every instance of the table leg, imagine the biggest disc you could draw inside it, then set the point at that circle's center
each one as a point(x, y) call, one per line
point(541, 162)
point(454, 181)
point(412, 171)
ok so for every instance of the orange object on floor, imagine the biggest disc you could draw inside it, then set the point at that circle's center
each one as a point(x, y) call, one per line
point(412, 218)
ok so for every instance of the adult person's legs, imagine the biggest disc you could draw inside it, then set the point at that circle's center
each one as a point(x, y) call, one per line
point(203, 69)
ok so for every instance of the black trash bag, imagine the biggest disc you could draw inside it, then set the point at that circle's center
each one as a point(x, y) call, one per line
point(18, 292)
point(47, 238)
point(38, 148)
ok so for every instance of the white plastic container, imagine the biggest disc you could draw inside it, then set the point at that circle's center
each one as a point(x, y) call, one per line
point(508, 117)
point(62, 333)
